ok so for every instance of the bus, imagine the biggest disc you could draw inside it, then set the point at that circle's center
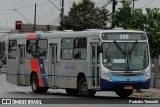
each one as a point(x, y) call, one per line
point(81, 62)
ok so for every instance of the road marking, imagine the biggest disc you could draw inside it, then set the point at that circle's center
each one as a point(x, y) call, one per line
point(23, 91)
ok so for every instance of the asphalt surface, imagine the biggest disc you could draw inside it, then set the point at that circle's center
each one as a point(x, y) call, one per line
point(59, 98)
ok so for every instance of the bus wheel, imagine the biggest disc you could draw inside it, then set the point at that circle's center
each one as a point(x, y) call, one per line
point(72, 92)
point(43, 90)
point(34, 84)
point(124, 93)
point(83, 88)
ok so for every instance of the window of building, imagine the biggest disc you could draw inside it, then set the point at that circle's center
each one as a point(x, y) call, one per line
point(80, 48)
point(36, 49)
point(12, 49)
point(67, 48)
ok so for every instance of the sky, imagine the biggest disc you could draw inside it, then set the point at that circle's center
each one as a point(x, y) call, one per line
point(47, 13)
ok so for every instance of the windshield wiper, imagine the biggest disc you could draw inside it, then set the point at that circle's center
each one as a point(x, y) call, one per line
point(133, 47)
point(119, 47)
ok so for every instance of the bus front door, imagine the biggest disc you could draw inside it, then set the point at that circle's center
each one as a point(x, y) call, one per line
point(95, 65)
point(21, 68)
point(52, 64)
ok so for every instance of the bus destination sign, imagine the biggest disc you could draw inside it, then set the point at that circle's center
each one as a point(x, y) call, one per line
point(123, 36)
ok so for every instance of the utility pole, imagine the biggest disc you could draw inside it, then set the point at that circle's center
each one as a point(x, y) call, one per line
point(114, 2)
point(133, 6)
point(34, 27)
point(62, 15)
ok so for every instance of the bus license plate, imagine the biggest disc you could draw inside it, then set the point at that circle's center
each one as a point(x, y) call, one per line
point(128, 87)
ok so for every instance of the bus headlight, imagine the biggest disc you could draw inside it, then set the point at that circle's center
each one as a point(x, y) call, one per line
point(106, 77)
point(147, 76)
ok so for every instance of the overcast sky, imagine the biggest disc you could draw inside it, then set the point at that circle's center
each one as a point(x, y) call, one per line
point(46, 12)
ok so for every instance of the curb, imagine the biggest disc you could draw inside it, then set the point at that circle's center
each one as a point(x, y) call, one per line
point(145, 95)
point(139, 94)
point(151, 92)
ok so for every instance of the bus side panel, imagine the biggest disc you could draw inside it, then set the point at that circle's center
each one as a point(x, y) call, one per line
point(11, 65)
point(38, 66)
point(12, 71)
point(44, 72)
point(28, 71)
point(67, 72)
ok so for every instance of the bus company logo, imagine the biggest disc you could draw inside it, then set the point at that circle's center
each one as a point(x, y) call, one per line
point(6, 101)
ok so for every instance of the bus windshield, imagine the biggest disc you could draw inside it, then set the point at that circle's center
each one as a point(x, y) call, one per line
point(125, 56)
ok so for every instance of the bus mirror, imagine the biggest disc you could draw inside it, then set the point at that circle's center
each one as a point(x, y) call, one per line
point(99, 49)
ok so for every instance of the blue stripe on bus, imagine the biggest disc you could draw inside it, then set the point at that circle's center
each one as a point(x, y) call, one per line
point(44, 75)
point(45, 83)
point(42, 71)
point(41, 65)
point(125, 78)
point(17, 74)
point(114, 78)
point(38, 36)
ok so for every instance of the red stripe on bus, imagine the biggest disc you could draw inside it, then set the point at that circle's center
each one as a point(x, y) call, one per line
point(31, 36)
point(40, 82)
point(35, 67)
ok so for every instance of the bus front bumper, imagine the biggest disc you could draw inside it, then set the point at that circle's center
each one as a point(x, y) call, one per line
point(113, 85)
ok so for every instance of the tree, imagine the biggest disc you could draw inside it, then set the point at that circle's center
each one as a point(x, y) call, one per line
point(139, 20)
point(85, 15)
point(149, 22)
point(123, 16)
point(153, 30)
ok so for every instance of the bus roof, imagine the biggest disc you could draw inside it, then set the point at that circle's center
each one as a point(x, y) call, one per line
point(60, 34)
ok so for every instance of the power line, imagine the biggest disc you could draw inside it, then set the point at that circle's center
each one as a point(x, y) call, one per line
point(54, 5)
point(25, 6)
point(147, 4)
point(103, 3)
point(99, 3)
point(142, 1)
point(106, 3)
point(56, 22)
point(33, 5)
point(57, 18)
point(16, 10)
point(21, 15)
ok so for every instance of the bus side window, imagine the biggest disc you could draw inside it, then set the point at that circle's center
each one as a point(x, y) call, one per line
point(42, 49)
point(36, 49)
point(12, 50)
point(31, 46)
point(67, 48)
point(80, 48)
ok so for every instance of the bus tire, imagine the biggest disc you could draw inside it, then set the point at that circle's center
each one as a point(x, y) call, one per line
point(72, 92)
point(43, 90)
point(83, 88)
point(124, 93)
point(34, 84)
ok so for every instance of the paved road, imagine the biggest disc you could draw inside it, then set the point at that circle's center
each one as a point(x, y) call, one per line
point(59, 96)
point(9, 90)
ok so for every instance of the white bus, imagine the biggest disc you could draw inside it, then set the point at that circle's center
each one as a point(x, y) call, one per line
point(82, 62)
